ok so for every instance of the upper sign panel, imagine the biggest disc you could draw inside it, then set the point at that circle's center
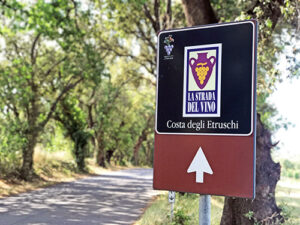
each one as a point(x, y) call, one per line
point(206, 80)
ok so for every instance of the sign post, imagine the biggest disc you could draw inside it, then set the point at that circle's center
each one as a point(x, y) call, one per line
point(204, 209)
point(205, 110)
point(172, 201)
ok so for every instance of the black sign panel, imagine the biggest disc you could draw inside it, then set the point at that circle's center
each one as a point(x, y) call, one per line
point(206, 79)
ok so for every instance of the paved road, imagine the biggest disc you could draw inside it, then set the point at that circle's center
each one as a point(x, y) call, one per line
point(109, 199)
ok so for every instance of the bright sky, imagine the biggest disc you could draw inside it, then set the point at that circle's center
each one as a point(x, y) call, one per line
point(287, 101)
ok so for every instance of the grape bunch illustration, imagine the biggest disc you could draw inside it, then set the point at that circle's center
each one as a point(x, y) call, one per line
point(202, 72)
point(168, 47)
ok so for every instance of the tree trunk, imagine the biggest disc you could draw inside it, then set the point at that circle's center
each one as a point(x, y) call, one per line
point(198, 12)
point(31, 135)
point(141, 138)
point(263, 208)
point(27, 172)
point(100, 157)
point(98, 153)
point(136, 149)
point(108, 155)
point(150, 153)
point(80, 154)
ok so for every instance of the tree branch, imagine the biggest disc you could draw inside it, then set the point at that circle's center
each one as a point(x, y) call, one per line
point(7, 5)
point(16, 48)
point(271, 10)
point(145, 37)
point(67, 88)
point(119, 53)
point(54, 65)
point(32, 55)
point(14, 109)
point(167, 20)
point(76, 14)
point(116, 95)
point(156, 14)
point(152, 20)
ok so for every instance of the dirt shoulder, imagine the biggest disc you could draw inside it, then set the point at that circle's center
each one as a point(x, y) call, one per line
point(12, 185)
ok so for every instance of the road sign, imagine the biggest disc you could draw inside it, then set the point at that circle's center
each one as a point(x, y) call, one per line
point(205, 109)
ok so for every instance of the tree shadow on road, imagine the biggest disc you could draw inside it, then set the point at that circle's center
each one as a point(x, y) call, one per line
point(113, 198)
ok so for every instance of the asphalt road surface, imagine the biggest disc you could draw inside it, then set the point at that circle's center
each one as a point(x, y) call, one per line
point(112, 198)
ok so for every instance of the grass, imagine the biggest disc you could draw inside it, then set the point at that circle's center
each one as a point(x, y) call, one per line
point(288, 198)
point(52, 168)
point(186, 208)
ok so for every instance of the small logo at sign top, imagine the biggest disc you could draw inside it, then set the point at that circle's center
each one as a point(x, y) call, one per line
point(169, 46)
point(202, 81)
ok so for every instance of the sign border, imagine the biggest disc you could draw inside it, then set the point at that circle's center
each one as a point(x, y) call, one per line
point(254, 43)
point(219, 45)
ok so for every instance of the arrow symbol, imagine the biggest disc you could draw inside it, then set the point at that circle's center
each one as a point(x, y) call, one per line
point(200, 165)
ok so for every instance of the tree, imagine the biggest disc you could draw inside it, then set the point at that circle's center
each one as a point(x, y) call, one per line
point(117, 114)
point(135, 25)
point(73, 119)
point(143, 137)
point(131, 47)
point(273, 16)
point(46, 55)
point(263, 208)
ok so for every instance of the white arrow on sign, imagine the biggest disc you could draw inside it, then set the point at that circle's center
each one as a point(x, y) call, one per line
point(200, 165)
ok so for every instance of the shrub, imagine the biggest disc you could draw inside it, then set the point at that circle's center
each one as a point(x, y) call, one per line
point(180, 218)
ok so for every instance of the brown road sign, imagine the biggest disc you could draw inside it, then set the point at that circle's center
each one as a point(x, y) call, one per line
point(205, 110)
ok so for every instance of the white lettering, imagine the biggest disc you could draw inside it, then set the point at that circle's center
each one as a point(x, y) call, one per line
point(171, 124)
point(223, 125)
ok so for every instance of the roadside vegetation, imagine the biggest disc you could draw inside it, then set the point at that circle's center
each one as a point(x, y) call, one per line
point(51, 168)
point(78, 81)
point(288, 190)
point(61, 90)
point(186, 208)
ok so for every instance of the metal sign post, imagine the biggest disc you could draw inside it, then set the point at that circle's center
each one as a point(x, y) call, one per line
point(172, 201)
point(204, 209)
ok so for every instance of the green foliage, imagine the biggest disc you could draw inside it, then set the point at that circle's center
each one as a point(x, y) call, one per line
point(288, 164)
point(229, 10)
point(91, 65)
point(287, 213)
point(54, 138)
point(287, 192)
point(180, 217)
point(73, 120)
point(273, 33)
point(120, 117)
point(186, 210)
point(48, 52)
point(11, 146)
point(58, 161)
point(290, 169)
point(249, 215)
